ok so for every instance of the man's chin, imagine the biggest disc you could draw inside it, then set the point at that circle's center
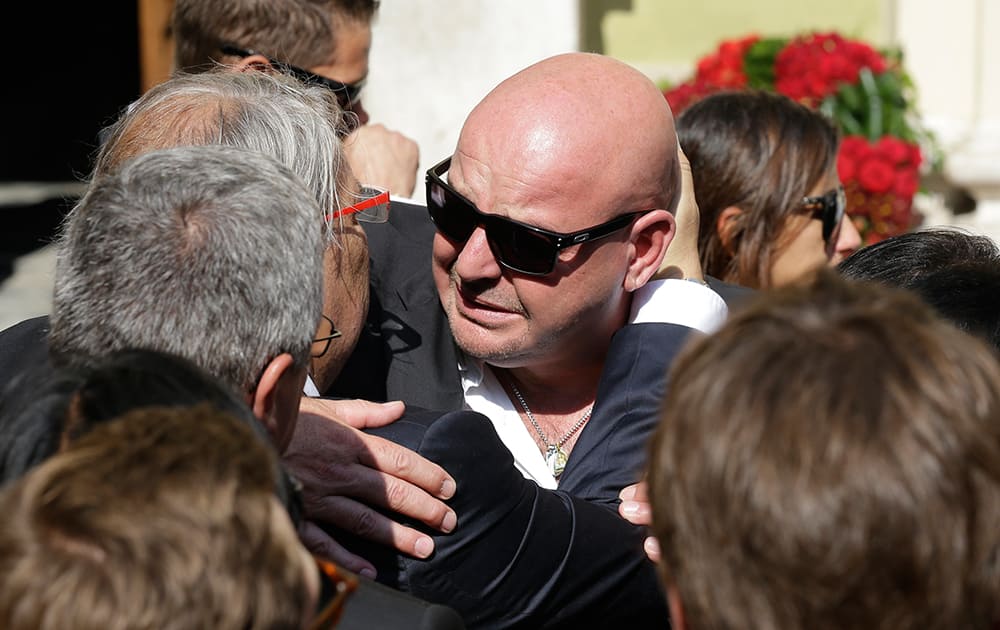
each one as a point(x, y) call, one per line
point(490, 344)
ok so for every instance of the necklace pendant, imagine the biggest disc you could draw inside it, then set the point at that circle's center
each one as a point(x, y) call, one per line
point(556, 458)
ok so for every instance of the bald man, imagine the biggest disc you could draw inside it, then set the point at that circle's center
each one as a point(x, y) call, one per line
point(553, 216)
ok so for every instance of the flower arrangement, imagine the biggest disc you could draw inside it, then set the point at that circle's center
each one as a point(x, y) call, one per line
point(865, 92)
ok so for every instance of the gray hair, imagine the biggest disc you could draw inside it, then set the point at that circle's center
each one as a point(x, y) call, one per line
point(208, 252)
point(273, 114)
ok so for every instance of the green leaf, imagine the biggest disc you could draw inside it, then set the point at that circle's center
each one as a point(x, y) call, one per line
point(889, 86)
point(851, 96)
point(874, 103)
point(828, 106)
point(758, 63)
point(893, 122)
point(849, 125)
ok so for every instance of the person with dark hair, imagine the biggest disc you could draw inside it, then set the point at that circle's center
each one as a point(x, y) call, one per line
point(829, 459)
point(323, 42)
point(38, 422)
point(956, 272)
point(162, 518)
point(770, 201)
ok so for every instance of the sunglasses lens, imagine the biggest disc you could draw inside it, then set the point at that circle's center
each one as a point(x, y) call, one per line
point(451, 215)
point(520, 248)
point(836, 204)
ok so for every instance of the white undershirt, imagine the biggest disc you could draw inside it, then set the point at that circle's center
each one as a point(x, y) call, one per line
point(665, 301)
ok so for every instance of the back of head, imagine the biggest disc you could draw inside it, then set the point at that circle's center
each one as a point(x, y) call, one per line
point(211, 253)
point(761, 152)
point(273, 114)
point(956, 272)
point(162, 519)
point(831, 459)
point(299, 32)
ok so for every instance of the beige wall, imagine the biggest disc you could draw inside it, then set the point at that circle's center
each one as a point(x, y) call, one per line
point(665, 37)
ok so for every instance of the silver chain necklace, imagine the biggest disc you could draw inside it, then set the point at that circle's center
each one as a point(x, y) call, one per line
point(555, 456)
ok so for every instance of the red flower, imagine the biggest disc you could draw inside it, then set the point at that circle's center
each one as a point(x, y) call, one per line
point(916, 155)
point(893, 149)
point(876, 175)
point(847, 167)
point(906, 183)
point(812, 67)
point(855, 147)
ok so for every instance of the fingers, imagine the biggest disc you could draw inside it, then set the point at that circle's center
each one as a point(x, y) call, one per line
point(635, 507)
point(405, 465)
point(359, 519)
point(652, 548)
point(321, 544)
point(360, 414)
point(381, 157)
point(339, 465)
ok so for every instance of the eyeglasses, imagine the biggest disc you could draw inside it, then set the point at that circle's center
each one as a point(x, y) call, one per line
point(373, 208)
point(828, 208)
point(322, 343)
point(517, 246)
point(347, 93)
point(335, 585)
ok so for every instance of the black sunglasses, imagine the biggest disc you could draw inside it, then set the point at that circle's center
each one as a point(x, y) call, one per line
point(517, 246)
point(347, 93)
point(828, 208)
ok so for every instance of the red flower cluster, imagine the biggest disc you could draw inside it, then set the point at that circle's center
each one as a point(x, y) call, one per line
point(722, 69)
point(811, 67)
point(881, 179)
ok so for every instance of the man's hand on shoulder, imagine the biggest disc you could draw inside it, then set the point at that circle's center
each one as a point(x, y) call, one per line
point(345, 471)
point(635, 509)
point(382, 157)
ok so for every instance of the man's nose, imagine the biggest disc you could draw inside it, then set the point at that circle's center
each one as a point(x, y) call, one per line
point(476, 260)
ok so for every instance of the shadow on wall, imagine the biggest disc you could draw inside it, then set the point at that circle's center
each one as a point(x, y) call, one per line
point(592, 14)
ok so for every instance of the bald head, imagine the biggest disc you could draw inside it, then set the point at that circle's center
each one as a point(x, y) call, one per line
point(587, 124)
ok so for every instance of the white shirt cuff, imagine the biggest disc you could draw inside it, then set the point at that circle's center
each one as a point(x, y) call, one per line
point(681, 302)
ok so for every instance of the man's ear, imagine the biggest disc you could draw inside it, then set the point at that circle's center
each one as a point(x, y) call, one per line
point(275, 401)
point(725, 226)
point(251, 63)
point(649, 238)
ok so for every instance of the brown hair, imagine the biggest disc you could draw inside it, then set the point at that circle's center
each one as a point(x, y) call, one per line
point(831, 459)
point(761, 152)
point(162, 519)
point(299, 32)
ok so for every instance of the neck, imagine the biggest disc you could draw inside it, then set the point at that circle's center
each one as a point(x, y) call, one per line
point(554, 391)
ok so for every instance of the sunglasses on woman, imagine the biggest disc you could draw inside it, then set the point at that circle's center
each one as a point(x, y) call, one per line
point(828, 208)
point(517, 246)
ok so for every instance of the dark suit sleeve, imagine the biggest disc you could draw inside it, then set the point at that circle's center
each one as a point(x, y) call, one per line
point(611, 451)
point(373, 605)
point(406, 350)
point(522, 556)
point(30, 410)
